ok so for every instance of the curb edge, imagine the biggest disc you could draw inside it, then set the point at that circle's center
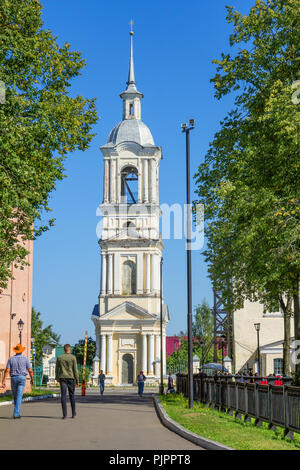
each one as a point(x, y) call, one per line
point(169, 423)
point(40, 397)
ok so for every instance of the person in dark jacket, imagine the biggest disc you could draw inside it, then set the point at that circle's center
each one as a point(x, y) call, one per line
point(66, 373)
point(101, 381)
point(170, 384)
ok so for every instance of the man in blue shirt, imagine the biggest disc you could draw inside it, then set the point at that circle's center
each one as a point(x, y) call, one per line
point(18, 366)
point(141, 382)
point(101, 381)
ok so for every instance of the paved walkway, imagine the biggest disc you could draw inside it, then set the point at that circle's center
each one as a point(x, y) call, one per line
point(120, 420)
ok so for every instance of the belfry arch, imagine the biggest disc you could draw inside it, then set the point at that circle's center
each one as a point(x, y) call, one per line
point(129, 185)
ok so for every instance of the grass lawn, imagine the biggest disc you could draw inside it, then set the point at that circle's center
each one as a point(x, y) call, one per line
point(33, 393)
point(220, 427)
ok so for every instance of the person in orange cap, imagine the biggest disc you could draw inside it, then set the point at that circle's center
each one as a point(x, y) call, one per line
point(18, 366)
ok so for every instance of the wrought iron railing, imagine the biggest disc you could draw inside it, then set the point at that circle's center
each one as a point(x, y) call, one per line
point(254, 397)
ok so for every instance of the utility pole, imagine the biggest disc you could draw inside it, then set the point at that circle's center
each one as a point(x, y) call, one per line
point(161, 387)
point(186, 128)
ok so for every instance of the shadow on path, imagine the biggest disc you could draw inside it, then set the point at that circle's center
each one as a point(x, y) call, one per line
point(121, 399)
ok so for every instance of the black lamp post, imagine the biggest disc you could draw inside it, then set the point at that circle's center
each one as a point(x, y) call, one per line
point(161, 387)
point(20, 328)
point(257, 327)
point(186, 128)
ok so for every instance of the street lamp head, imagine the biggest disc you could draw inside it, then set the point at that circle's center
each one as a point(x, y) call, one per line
point(183, 126)
point(20, 325)
point(192, 122)
point(257, 326)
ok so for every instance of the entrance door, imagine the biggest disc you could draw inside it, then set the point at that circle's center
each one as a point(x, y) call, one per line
point(127, 369)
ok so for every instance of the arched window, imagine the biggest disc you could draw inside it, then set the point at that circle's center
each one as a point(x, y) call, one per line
point(129, 185)
point(129, 278)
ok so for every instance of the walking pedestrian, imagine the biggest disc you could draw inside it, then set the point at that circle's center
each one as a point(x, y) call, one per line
point(101, 381)
point(66, 373)
point(170, 384)
point(141, 382)
point(17, 367)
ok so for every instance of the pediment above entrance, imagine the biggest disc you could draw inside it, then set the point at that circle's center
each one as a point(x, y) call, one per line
point(128, 311)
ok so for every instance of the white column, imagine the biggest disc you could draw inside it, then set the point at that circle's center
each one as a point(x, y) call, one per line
point(109, 354)
point(153, 273)
point(140, 272)
point(145, 180)
point(103, 275)
point(151, 354)
point(152, 181)
point(95, 367)
point(117, 273)
point(106, 180)
point(157, 354)
point(157, 185)
point(98, 342)
point(140, 179)
point(164, 354)
point(144, 353)
point(112, 181)
point(118, 182)
point(158, 260)
point(157, 273)
point(110, 274)
point(148, 273)
point(103, 353)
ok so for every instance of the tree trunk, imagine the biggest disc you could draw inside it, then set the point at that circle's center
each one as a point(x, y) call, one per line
point(287, 344)
point(287, 336)
point(297, 323)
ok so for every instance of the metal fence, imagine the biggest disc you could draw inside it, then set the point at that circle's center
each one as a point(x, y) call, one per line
point(278, 405)
point(179, 367)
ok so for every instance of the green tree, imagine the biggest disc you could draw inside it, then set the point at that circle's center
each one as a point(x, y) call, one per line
point(202, 330)
point(42, 336)
point(203, 327)
point(40, 124)
point(78, 351)
point(178, 357)
point(249, 182)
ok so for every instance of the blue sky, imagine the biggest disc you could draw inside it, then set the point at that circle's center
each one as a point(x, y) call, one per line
point(174, 45)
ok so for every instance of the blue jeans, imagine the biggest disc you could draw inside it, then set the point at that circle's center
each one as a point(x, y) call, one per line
point(141, 387)
point(18, 383)
point(101, 387)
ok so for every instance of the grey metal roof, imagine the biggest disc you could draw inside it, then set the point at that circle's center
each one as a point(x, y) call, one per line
point(131, 130)
point(96, 310)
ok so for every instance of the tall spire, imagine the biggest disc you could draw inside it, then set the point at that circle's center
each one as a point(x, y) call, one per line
point(131, 78)
point(131, 96)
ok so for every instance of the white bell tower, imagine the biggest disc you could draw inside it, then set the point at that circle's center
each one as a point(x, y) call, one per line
point(128, 318)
